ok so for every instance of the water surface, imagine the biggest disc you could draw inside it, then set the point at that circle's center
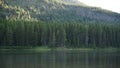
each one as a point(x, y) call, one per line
point(61, 59)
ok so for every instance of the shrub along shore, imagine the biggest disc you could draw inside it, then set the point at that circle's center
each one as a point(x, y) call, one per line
point(15, 49)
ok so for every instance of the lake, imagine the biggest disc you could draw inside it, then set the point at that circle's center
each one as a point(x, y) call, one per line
point(61, 59)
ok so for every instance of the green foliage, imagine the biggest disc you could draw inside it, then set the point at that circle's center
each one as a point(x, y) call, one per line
point(14, 12)
point(59, 28)
point(55, 11)
point(26, 33)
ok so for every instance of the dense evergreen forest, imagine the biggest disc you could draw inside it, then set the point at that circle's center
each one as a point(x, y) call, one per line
point(57, 23)
point(31, 33)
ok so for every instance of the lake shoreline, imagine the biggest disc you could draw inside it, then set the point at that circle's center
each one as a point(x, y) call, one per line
point(41, 49)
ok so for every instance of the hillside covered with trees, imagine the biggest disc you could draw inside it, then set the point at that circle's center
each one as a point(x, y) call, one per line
point(57, 23)
point(55, 11)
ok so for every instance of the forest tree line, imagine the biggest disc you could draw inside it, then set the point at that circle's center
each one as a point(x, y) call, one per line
point(27, 33)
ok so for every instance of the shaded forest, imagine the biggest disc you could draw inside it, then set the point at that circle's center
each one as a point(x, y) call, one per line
point(31, 33)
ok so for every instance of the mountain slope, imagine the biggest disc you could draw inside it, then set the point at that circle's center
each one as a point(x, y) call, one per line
point(62, 11)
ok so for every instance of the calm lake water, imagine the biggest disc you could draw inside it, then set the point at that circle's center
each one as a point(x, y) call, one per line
point(61, 59)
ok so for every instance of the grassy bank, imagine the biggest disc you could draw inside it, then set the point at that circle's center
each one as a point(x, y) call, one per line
point(43, 48)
